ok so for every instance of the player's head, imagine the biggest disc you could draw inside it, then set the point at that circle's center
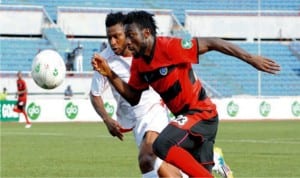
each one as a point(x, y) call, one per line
point(140, 29)
point(115, 32)
point(19, 74)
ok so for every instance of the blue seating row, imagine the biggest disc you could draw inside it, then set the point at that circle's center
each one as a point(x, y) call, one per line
point(227, 75)
point(177, 6)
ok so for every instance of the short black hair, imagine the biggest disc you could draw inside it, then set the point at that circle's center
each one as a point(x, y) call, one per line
point(143, 19)
point(114, 18)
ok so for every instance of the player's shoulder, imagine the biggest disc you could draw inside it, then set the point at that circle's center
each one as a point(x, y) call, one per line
point(107, 52)
point(176, 43)
point(97, 76)
point(167, 39)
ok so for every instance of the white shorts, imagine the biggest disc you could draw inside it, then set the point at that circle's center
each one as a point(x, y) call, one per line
point(156, 120)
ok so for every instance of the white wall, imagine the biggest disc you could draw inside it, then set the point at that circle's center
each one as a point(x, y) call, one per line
point(238, 107)
point(80, 83)
point(242, 25)
point(27, 20)
point(81, 110)
point(91, 21)
point(253, 108)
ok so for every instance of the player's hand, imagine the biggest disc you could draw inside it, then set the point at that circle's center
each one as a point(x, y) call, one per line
point(114, 128)
point(100, 64)
point(264, 64)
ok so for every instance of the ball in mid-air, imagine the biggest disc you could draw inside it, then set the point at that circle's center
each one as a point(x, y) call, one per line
point(48, 69)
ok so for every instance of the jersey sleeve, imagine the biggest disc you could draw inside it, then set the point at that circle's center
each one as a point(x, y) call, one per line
point(99, 84)
point(183, 50)
point(24, 85)
point(135, 80)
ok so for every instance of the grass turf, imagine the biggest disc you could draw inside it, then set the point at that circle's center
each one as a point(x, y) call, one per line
point(251, 148)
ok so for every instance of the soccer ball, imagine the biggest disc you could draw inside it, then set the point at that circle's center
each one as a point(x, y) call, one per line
point(48, 69)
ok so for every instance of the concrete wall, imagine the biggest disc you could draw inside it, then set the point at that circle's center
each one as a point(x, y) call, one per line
point(248, 25)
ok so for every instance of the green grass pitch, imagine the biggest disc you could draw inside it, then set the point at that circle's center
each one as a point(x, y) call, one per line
point(251, 148)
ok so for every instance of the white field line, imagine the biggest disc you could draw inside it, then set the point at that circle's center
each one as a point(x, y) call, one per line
point(269, 141)
point(53, 134)
point(295, 141)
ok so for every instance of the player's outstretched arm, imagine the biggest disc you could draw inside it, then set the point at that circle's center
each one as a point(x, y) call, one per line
point(259, 62)
point(112, 125)
point(130, 94)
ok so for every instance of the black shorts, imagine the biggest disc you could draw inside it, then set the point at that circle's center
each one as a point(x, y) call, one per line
point(199, 140)
point(21, 105)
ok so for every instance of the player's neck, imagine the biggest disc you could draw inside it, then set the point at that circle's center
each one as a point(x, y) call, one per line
point(150, 45)
point(127, 53)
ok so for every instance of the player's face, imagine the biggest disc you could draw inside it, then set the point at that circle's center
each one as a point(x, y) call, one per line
point(135, 40)
point(116, 38)
point(19, 75)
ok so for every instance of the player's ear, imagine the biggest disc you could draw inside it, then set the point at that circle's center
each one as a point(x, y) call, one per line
point(146, 32)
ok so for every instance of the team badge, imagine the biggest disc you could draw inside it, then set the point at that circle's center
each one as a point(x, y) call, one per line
point(163, 71)
point(186, 43)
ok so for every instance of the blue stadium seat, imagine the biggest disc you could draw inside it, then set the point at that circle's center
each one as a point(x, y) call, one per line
point(230, 76)
point(178, 7)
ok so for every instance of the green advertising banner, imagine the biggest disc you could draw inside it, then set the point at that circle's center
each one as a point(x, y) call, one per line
point(6, 111)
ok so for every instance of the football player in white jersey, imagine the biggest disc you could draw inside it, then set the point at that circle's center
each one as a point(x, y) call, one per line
point(147, 119)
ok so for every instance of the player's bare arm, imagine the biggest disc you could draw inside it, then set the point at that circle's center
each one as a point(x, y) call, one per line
point(112, 125)
point(259, 62)
point(130, 94)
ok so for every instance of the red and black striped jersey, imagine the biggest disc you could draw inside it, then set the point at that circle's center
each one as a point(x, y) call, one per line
point(21, 86)
point(169, 72)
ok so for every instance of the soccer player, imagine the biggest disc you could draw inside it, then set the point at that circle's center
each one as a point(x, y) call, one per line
point(165, 64)
point(142, 118)
point(20, 106)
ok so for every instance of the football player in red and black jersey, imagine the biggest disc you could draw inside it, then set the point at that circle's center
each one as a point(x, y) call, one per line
point(20, 106)
point(165, 64)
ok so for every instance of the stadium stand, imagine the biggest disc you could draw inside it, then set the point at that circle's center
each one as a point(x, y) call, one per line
point(223, 75)
point(18, 53)
point(57, 38)
point(229, 76)
point(177, 6)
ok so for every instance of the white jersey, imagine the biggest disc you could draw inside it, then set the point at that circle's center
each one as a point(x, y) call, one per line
point(127, 115)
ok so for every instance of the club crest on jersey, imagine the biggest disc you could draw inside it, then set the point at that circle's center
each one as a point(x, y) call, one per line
point(186, 43)
point(163, 71)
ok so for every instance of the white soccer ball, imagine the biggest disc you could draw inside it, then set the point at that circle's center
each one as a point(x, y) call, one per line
point(48, 69)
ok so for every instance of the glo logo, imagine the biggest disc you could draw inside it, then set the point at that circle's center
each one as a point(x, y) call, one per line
point(33, 111)
point(55, 72)
point(232, 109)
point(264, 108)
point(71, 110)
point(109, 109)
point(296, 108)
point(37, 68)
